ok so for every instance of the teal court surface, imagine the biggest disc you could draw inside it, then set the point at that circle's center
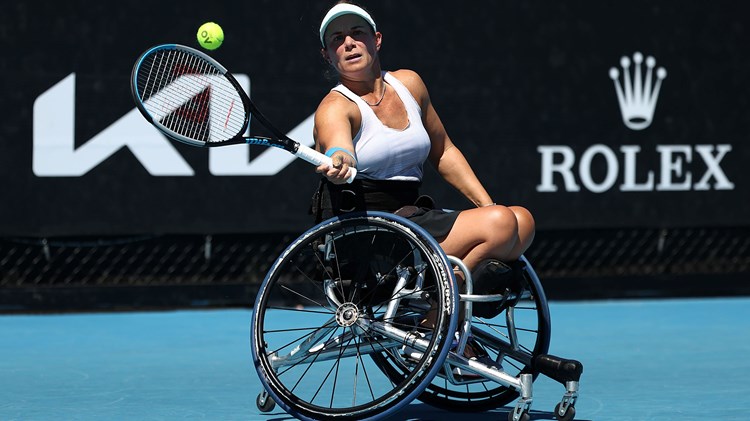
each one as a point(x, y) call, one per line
point(681, 359)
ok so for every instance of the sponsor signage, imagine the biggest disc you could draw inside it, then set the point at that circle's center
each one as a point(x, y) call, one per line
point(581, 120)
point(637, 96)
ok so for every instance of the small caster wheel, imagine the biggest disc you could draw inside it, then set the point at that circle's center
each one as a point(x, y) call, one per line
point(524, 416)
point(569, 414)
point(264, 402)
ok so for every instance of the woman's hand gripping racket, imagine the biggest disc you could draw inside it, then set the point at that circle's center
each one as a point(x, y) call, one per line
point(193, 99)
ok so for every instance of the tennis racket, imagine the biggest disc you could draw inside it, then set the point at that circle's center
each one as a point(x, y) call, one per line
point(193, 99)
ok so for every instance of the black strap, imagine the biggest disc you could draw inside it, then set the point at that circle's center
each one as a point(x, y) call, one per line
point(362, 194)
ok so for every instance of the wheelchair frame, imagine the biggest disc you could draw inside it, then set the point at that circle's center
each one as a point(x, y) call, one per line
point(383, 307)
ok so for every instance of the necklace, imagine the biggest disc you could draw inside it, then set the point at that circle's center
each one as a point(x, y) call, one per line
point(379, 101)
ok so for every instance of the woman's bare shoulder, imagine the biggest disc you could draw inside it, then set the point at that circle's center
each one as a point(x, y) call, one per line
point(412, 81)
point(335, 102)
point(336, 112)
point(408, 76)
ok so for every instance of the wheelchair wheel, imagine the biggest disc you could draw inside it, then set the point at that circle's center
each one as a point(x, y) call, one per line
point(512, 338)
point(345, 294)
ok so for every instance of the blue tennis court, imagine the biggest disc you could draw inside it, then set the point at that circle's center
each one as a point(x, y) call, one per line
point(644, 360)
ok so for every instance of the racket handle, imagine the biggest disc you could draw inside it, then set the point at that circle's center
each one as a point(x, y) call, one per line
point(316, 158)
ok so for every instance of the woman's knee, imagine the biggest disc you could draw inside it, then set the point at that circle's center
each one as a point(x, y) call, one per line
point(525, 220)
point(526, 229)
point(500, 223)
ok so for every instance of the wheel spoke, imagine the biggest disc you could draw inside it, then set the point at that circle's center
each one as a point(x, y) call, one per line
point(318, 358)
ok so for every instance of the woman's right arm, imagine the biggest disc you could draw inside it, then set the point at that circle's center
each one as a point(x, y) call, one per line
point(333, 136)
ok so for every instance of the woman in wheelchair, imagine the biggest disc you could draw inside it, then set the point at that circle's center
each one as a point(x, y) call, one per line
point(384, 124)
point(378, 317)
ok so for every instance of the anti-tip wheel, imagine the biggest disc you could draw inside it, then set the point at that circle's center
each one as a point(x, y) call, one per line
point(524, 416)
point(569, 414)
point(265, 404)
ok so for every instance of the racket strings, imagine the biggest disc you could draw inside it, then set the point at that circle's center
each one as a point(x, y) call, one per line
point(190, 96)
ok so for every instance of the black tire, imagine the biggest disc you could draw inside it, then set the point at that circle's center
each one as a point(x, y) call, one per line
point(360, 255)
point(264, 406)
point(524, 416)
point(569, 414)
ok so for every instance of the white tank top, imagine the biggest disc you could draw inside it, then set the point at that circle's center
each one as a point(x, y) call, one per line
point(385, 153)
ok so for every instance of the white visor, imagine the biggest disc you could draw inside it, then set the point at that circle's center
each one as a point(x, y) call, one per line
point(340, 10)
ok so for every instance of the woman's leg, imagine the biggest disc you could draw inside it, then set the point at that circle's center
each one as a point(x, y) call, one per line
point(491, 232)
point(496, 232)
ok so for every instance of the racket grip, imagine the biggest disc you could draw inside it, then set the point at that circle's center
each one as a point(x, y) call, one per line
point(316, 158)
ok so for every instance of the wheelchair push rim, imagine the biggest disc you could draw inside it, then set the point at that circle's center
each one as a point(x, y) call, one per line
point(510, 343)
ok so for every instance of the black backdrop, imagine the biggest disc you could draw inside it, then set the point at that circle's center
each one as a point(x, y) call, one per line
point(509, 79)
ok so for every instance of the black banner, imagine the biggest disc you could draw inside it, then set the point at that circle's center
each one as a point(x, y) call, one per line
point(591, 114)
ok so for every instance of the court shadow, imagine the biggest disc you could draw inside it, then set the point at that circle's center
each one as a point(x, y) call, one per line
point(424, 412)
point(280, 416)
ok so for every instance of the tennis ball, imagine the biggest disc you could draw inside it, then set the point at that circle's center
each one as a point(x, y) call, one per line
point(210, 36)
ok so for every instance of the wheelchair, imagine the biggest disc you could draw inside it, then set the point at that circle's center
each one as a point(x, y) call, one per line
point(362, 314)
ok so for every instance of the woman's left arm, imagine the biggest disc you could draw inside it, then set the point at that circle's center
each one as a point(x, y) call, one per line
point(444, 155)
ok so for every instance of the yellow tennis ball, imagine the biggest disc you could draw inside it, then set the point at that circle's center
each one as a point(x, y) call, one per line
point(210, 36)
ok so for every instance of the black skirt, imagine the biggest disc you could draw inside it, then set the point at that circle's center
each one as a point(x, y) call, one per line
point(399, 197)
point(437, 222)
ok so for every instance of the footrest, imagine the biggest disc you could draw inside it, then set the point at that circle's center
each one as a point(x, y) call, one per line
point(556, 368)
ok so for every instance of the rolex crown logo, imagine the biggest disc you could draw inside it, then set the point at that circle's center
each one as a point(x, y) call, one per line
point(637, 98)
